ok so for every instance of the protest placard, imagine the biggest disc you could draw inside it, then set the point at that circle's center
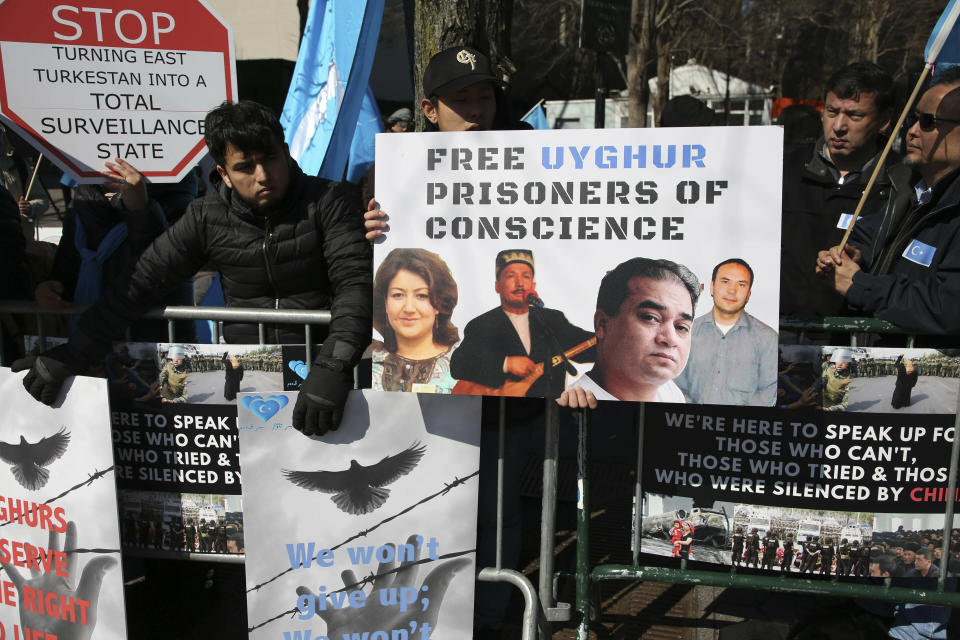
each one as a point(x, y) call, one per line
point(176, 446)
point(87, 84)
point(564, 208)
point(389, 498)
point(189, 448)
point(824, 477)
point(59, 539)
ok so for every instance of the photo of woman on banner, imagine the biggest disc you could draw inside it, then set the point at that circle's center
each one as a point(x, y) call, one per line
point(684, 544)
point(906, 379)
point(233, 374)
point(414, 295)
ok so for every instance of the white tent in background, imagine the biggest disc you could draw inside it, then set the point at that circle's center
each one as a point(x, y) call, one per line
point(749, 103)
point(696, 80)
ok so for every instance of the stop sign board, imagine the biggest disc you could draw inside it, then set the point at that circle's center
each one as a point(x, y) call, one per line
point(114, 78)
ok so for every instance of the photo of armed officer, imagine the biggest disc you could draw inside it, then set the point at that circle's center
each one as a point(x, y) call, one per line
point(215, 374)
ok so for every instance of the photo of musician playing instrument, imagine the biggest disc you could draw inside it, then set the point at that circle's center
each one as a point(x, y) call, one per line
point(515, 349)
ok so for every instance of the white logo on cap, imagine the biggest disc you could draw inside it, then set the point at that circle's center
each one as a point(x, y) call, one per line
point(465, 57)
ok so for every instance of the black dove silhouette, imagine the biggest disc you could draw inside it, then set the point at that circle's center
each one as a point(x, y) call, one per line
point(28, 460)
point(360, 489)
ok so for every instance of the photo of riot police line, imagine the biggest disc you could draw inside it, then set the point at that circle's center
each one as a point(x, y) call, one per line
point(152, 522)
point(215, 374)
point(802, 541)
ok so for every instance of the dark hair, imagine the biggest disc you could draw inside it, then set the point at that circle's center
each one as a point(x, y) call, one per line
point(443, 293)
point(614, 288)
point(850, 81)
point(888, 564)
point(801, 124)
point(926, 553)
point(247, 125)
point(503, 118)
point(742, 263)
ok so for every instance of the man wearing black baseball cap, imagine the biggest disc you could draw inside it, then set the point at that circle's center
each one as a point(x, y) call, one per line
point(461, 93)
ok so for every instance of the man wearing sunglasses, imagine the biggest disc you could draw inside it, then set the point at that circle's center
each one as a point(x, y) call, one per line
point(822, 183)
point(904, 265)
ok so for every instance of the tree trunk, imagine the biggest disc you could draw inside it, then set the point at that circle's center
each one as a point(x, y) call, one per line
point(482, 24)
point(664, 66)
point(639, 58)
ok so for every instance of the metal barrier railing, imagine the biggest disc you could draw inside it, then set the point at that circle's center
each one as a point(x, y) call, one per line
point(539, 614)
point(171, 314)
point(856, 327)
point(587, 577)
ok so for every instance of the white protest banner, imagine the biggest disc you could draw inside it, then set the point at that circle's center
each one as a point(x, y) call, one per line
point(564, 208)
point(59, 537)
point(85, 84)
point(392, 493)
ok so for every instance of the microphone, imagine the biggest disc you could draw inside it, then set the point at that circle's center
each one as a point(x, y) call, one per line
point(534, 300)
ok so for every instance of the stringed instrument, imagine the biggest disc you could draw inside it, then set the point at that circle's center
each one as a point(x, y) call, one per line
point(519, 388)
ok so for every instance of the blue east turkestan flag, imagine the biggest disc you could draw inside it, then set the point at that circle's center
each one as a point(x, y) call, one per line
point(329, 82)
point(943, 47)
point(369, 124)
point(537, 118)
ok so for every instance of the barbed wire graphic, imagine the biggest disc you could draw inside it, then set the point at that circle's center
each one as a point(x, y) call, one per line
point(96, 475)
point(446, 488)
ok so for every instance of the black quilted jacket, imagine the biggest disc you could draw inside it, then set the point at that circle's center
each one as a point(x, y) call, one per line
point(310, 254)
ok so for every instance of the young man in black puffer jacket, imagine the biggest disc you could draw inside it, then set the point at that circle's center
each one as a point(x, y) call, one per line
point(280, 240)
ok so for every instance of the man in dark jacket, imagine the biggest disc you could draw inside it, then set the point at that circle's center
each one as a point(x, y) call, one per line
point(902, 266)
point(736, 553)
point(516, 341)
point(811, 553)
point(753, 548)
point(770, 544)
point(822, 183)
point(279, 239)
point(787, 563)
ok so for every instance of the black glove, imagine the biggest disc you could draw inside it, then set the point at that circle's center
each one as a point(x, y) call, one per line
point(323, 394)
point(49, 370)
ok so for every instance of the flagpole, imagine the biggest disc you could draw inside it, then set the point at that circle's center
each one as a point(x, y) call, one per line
point(886, 151)
point(533, 108)
point(26, 195)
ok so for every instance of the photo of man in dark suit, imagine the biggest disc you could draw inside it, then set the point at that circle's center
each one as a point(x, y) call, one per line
point(510, 349)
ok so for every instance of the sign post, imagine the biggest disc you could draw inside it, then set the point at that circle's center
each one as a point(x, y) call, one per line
point(85, 84)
